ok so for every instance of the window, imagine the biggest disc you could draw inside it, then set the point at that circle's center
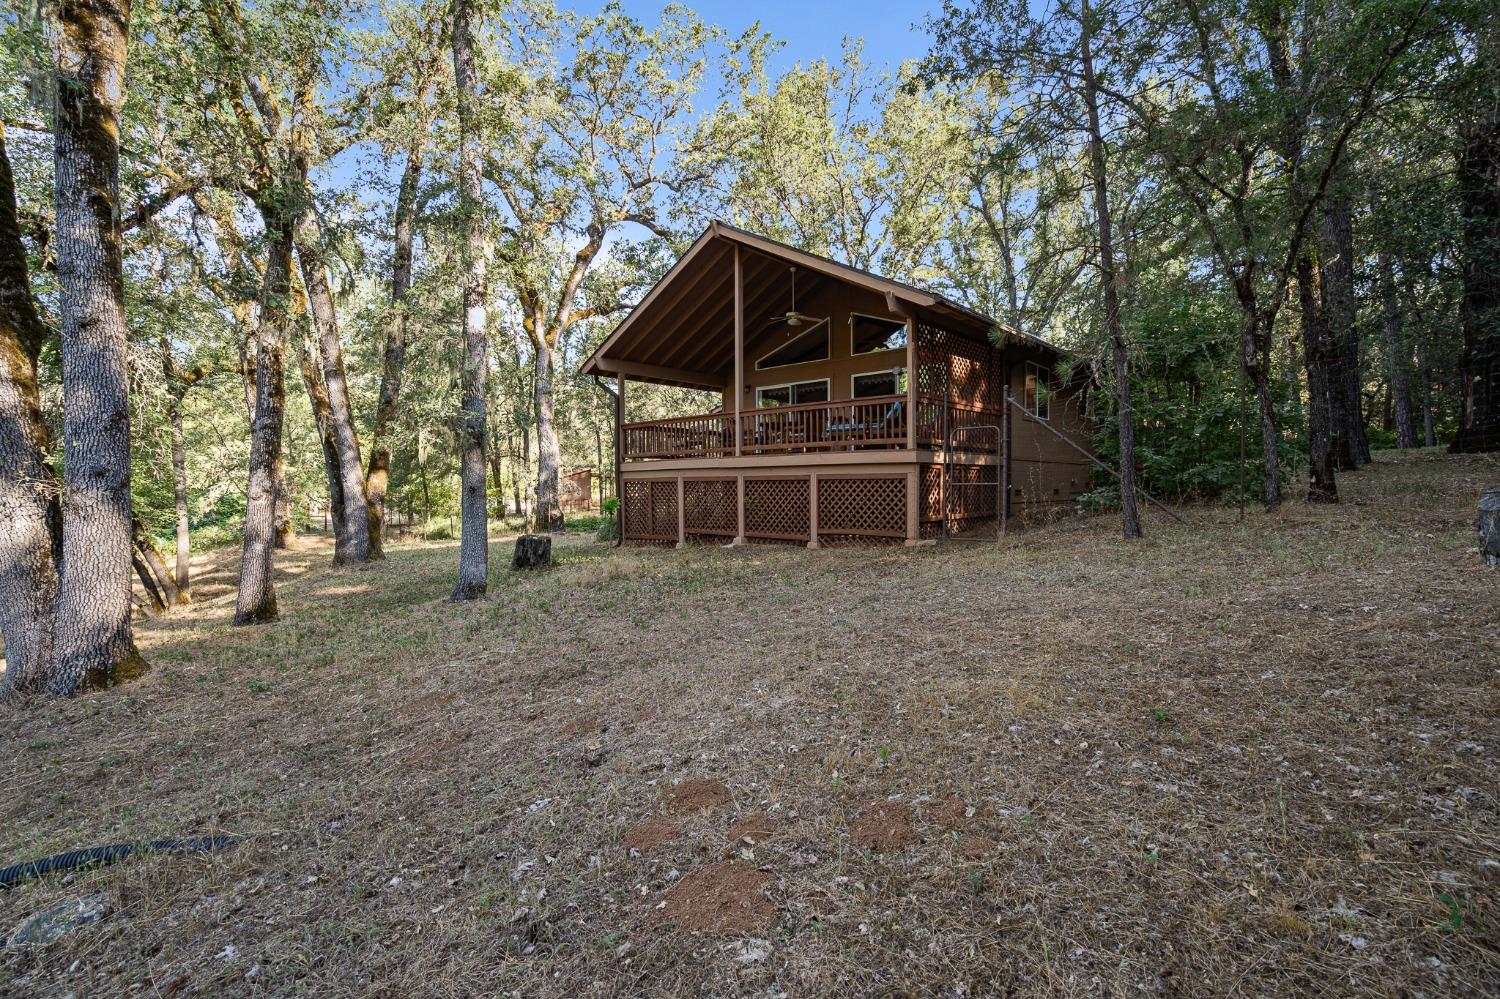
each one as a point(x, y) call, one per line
point(1038, 391)
point(891, 382)
point(792, 395)
point(871, 333)
point(797, 346)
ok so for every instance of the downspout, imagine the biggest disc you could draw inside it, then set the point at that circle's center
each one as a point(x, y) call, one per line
point(619, 457)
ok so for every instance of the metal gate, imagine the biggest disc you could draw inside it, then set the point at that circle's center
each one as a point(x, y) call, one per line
point(969, 500)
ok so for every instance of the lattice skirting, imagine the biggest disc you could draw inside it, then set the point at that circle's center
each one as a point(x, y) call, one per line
point(861, 506)
point(972, 498)
point(650, 510)
point(778, 509)
point(709, 508)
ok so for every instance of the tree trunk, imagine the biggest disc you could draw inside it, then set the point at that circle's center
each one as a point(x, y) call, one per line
point(1479, 311)
point(94, 644)
point(549, 518)
point(497, 477)
point(28, 488)
point(317, 398)
point(1345, 379)
point(150, 555)
point(1255, 345)
point(155, 604)
point(1397, 354)
point(286, 523)
point(599, 461)
point(422, 477)
point(1429, 429)
point(179, 489)
point(1109, 277)
point(521, 474)
point(1322, 480)
point(284, 530)
point(256, 600)
point(354, 525)
point(378, 476)
point(473, 551)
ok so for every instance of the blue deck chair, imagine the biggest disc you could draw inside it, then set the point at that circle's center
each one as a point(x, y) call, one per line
point(850, 426)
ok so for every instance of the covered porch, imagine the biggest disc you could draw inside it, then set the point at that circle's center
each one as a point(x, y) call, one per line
point(844, 405)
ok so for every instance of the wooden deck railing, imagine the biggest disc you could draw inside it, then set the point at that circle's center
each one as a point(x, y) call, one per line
point(709, 435)
point(875, 422)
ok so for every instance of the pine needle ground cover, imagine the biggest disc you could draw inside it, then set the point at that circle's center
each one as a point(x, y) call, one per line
point(1227, 760)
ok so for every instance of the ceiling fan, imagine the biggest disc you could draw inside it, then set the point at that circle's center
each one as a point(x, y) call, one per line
point(791, 317)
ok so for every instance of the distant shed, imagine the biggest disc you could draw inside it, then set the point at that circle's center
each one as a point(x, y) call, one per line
point(578, 490)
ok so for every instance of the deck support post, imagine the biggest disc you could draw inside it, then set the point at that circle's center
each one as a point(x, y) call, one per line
point(911, 381)
point(739, 360)
point(812, 511)
point(739, 511)
point(914, 509)
point(681, 516)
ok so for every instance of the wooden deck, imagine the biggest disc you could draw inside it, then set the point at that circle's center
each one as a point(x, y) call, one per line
point(874, 423)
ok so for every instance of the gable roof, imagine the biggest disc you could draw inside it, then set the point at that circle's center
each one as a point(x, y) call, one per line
point(682, 331)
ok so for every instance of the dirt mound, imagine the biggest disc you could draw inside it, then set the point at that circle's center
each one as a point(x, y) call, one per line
point(726, 898)
point(696, 796)
point(949, 812)
point(650, 834)
point(751, 829)
point(883, 827)
point(579, 726)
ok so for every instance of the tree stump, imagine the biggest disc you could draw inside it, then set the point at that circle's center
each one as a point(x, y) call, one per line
point(533, 551)
point(1489, 526)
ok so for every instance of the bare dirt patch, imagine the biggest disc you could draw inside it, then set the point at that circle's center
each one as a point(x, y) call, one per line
point(751, 830)
point(883, 827)
point(728, 898)
point(582, 726)
point(427, 703)
point(696, 795)
point(949, 812)
point(650, 834)
point(975, 847)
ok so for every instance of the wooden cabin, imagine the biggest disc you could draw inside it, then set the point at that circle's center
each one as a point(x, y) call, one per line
point(851, 406)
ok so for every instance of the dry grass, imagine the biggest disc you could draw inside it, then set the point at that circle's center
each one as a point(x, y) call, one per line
point(1230, 760)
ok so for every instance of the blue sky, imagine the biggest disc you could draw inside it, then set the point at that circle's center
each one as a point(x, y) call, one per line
point(812, 29)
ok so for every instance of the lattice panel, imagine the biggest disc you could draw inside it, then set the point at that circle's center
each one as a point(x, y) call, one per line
point(865, 506)
point(650, 510)
point(957, 368)
point(932, 501)
point(709, 506)
point(779, 509)
point(932, 492)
